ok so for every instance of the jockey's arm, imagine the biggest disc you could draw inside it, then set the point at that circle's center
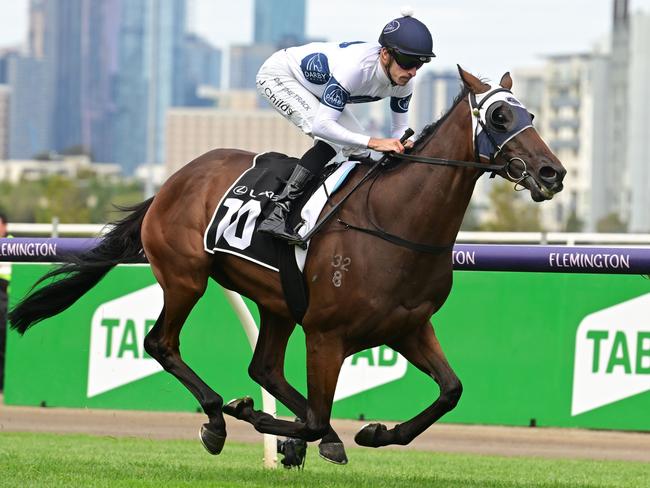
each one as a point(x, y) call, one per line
point(326, 126)
point(335, 97)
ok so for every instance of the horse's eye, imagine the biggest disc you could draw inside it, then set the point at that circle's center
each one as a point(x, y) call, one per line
point(500, 118)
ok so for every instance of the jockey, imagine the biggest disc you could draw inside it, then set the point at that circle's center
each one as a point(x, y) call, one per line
point(311, 85)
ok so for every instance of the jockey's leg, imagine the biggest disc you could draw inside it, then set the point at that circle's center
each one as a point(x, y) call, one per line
point(303, 176)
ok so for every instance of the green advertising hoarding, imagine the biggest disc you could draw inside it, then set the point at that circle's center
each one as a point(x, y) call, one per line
point(562, 350)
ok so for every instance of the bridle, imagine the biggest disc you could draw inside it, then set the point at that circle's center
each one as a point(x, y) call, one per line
point(481, 126)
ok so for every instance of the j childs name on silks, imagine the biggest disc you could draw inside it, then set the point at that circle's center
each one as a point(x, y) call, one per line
point(587, 260)
point(17, 249)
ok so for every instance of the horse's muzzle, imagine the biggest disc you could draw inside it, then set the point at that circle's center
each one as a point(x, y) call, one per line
point(551, 177)
point(546, 181)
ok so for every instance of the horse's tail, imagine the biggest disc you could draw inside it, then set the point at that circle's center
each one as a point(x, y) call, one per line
point(80, 273)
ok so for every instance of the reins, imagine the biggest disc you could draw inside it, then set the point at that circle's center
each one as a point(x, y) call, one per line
point(413, 158)
point(450, 162)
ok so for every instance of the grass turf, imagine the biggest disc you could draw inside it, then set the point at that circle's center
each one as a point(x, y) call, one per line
point(49, 460)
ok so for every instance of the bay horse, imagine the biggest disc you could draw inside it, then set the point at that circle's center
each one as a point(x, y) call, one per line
point(386, 294)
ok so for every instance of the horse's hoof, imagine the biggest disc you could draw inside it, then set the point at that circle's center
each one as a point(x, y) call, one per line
point(211, 440)
point(334, 452)
point(294, 452)
point(235, 407)
point(369, 435)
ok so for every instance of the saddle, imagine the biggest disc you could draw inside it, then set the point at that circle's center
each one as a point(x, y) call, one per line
point(249, 200)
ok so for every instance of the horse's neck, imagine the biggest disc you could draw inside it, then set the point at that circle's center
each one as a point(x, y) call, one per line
point(436, 197)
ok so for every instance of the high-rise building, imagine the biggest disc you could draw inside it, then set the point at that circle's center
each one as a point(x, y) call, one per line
point(574, 98)
point(529, 86)
point(245, 62)
point(201, 68)
point(193, 131)
point(5, 101)
point(106, 73)
point(31, 81)
point(280, 23)
point(5, 56)
point(30, 120)
point(62, 56)
point(100, 31)
point(615, 197)
point(149, 47)
point(433, 96)
point(638, 130)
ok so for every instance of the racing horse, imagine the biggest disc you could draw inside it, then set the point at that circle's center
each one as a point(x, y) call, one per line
point(390, 248)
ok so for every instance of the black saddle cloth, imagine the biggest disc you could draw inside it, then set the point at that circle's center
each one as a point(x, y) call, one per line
point(233, 228)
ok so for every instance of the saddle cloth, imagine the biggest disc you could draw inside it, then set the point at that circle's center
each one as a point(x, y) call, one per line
point(233, 227)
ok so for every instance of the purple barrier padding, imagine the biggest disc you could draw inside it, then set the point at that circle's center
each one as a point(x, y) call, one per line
point(477, 257)
point(552, 259)
point(43, 250)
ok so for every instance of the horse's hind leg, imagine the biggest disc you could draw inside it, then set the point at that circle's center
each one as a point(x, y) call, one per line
point(162, 343)
point(423, 350)
point(324, 360)
point(267, 369)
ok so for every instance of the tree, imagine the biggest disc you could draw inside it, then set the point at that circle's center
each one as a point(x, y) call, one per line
point(573, 223)
point(471, 219)
point(85, 199)
point(510, 212)
point(62, 198)
point(611, 223)
point(77, 150)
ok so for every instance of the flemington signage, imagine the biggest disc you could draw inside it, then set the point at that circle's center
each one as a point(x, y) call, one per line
point(564, 259)
point(582, 361)
point(30, 249)
point(585, 260)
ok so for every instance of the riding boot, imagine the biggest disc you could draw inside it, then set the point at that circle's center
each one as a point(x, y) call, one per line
point(276, 223)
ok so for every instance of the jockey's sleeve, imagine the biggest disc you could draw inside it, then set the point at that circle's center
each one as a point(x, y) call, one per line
point(399, 115)
point(326, 125)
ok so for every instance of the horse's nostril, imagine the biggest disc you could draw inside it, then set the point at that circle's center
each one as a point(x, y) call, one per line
point(547, 173)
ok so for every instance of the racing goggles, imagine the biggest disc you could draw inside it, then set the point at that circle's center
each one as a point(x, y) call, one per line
point(408, 61)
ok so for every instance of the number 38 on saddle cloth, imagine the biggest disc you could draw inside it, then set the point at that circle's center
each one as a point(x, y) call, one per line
point(248, 202)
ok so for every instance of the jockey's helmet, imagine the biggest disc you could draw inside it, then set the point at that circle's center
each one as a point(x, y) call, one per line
point(408, 36)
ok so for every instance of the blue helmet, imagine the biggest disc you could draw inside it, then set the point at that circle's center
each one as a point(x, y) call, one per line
point(407, 35)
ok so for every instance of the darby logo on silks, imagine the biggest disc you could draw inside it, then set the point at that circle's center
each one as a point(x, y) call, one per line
point(612, 355)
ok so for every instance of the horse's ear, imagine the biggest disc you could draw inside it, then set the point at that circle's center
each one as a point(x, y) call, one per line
point(506, 81)
point(471, 82)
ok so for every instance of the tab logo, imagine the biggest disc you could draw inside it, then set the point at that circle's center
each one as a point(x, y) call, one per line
point(612, 359)
point(369, 369)
point(118, 327)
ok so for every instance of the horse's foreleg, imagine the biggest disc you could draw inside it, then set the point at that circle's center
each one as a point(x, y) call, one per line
point(324, 360)
point(162, 343)
point(423, 350)
point(267, 369)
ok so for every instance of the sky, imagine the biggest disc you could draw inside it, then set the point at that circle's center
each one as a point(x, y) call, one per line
point(485, 37)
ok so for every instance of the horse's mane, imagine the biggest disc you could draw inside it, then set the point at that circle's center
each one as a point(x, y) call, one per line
point(431, 129)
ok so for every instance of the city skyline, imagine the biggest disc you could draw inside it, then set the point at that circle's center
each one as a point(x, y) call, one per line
point(513, 36)
point(90, 83)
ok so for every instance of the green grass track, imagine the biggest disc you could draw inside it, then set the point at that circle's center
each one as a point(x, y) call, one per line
point(49, 460)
